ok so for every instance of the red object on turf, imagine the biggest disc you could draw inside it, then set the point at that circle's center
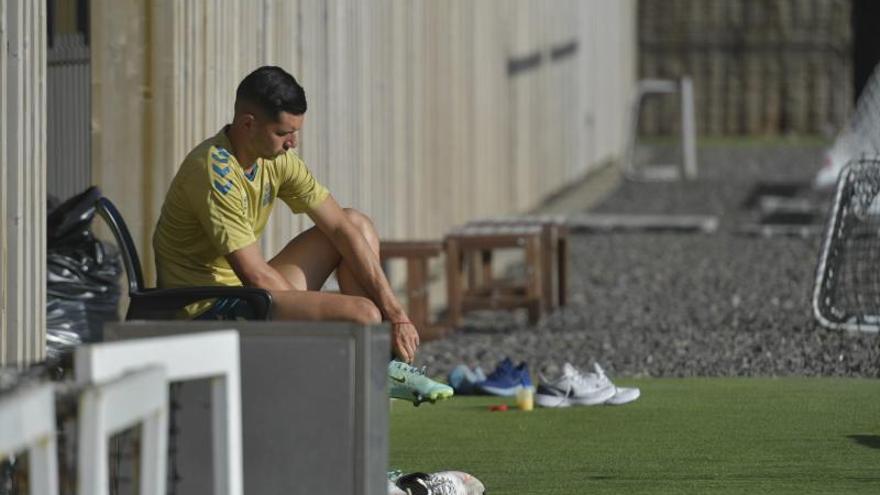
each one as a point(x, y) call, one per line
point(501, 407)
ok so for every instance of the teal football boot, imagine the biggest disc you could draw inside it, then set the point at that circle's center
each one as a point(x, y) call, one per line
point(410, 383)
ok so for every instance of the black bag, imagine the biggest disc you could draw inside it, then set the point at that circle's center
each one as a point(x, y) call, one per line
point(82, 286)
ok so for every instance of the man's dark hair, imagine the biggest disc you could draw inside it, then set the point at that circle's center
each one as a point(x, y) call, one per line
point(272, 90)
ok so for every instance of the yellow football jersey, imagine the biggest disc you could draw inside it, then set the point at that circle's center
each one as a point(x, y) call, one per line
point(214, 208)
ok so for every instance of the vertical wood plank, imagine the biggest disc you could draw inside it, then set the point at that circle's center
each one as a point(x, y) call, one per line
point(4, 170)
point(22, 182)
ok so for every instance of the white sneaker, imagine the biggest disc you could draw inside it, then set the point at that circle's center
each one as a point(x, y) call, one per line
point(394, 490)
point(573, 388)
point(622, 395)
point(471, 485)
point(441, 483)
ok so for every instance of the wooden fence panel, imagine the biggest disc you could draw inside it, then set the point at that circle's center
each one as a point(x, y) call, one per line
point(419, 113)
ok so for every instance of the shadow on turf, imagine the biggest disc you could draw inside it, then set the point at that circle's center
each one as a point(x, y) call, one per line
point(872, 441)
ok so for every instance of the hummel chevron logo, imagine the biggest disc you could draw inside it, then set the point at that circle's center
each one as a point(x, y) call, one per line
point(223, 188)
point(219, 158)
point(221, 171)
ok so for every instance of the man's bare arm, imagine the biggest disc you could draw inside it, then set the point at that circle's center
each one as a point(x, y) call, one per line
point(253, 270)
point(351, 244)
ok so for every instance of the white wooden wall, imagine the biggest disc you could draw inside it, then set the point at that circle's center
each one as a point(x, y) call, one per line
point(22, 181)
point(413, 115)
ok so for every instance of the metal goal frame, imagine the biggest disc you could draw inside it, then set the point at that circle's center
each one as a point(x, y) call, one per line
point(853, 223)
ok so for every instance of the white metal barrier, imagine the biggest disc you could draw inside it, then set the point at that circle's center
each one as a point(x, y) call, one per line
point(27, 422)
point(688, 168)
point(111, 407)
point(213, 355)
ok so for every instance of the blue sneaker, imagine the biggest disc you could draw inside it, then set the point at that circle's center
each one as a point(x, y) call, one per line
point(524, 375)
point(507, 379)
point(465, 380)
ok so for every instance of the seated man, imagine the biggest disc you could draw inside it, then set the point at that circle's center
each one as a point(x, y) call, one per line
point(219, 203)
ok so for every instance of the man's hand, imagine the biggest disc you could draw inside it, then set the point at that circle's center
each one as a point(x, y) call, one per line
point(404, 340)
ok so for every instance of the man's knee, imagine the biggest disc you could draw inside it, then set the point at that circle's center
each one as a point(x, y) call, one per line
point(366, 312)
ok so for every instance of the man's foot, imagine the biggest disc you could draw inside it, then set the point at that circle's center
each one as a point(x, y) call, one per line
point(410, 383)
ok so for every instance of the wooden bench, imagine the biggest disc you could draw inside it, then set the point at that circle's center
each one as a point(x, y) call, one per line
point(554, 248)
point(472, 245)
point(417, 255)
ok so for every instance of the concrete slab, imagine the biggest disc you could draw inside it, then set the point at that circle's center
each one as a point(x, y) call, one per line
point(605, 222)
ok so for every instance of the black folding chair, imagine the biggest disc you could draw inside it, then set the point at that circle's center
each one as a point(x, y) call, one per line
point(167, 304)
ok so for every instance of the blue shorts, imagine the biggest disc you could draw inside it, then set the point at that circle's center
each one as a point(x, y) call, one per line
point(227, 308)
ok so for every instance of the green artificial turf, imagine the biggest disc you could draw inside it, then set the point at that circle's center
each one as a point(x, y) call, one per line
point(793, 435)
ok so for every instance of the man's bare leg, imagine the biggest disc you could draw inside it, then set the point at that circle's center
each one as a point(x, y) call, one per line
point(323, 306)
point(307, 261)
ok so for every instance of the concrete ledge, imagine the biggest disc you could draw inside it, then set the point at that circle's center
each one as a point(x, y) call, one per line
point(629, 222)
point(779, 230)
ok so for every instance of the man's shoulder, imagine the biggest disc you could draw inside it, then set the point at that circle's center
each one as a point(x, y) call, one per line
point(207, 153)
point(209, 162)
point(287, 165)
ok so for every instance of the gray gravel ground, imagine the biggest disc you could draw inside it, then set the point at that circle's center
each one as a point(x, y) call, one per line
point(672, 304)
